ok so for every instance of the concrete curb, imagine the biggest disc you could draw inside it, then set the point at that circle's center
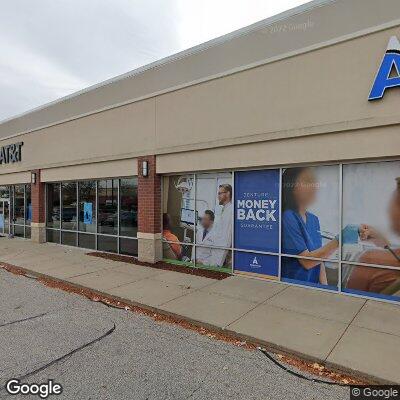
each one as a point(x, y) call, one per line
point(274, 348)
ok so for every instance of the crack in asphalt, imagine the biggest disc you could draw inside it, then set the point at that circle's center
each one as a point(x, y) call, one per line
point(64, 357)
point(23, 320)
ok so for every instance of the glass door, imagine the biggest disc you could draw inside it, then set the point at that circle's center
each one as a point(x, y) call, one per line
point(4, 217)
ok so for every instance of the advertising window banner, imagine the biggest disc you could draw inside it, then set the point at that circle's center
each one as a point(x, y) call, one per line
point(262, 265)
point(310, 225)
point(179, 218)
point(371, 216)
point(382, 283)
point(257, 221)
point(87, 213)
point(214, 210)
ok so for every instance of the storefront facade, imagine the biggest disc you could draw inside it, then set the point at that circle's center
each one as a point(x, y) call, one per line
point(272, 152)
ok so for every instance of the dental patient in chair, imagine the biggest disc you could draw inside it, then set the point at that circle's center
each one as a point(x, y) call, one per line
point(375, 279)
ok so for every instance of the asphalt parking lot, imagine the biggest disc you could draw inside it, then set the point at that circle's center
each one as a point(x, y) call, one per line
point(131, 357)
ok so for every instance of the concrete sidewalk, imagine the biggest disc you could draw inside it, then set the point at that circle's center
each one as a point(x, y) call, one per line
point(350, 333)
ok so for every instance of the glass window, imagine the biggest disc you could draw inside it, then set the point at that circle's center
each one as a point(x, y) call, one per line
point(108, 206)
point(68, 238)
point(107, 243)
point(69, 203)
point(214, 211)
point(6, 217)
point(87, 241)
point(128, 207)
point(371, 281)
point(310, 221)
point(87, 206)
point(19, 208)
point(53, 236)
point(179, 213)
point(27, 232)
point(53, 205)
point(128, 246)
point(18, 230)
point(371, 213)
point(28, 211)
point(4, 192)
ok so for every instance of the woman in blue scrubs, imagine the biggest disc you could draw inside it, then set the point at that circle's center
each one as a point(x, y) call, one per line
point(301, 229)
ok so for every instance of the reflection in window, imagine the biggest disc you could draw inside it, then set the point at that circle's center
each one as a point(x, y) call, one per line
point(128, 207)
point(19, 210)
point(68, 238)
point(53, 205)
point(87, 206)
point(108, 206)
point(18, 230)
point(128, 246)
point(53, 236)
point(107, 243)
point(87, 241)
point(4, 192)
point(69, 201)
point(28, 208)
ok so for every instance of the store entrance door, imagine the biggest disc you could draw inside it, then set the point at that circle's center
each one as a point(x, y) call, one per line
point(4, 217)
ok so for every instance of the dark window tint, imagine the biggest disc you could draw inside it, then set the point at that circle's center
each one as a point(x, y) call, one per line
point(53, 205)
point(69, 202)
point(128, 246)
point(128, 207)
point(108, 206)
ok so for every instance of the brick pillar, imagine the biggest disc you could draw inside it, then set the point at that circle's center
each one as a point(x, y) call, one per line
point(38, 223)
point(149, 218)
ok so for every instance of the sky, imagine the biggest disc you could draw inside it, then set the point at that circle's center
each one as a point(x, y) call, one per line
point(52, 48)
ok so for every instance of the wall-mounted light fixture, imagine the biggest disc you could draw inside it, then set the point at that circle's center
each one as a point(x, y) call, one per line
point(145, 169)
point(33, 177)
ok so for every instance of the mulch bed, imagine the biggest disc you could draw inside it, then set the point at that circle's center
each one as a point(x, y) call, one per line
point(163, 265)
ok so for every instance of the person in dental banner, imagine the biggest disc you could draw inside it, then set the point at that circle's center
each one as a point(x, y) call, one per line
point(379, 280)
point(301, 232)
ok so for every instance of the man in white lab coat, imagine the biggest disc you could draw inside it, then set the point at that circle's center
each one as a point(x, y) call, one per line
point(204, 236)
point(222, 233)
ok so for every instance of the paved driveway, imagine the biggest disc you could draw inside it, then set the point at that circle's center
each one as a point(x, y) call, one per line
point(140, 359)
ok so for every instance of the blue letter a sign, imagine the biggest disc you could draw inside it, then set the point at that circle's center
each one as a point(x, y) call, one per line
point(389, 73)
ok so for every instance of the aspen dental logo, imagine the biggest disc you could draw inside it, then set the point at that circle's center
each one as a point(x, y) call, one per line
point(255, 264)
point(389, 72)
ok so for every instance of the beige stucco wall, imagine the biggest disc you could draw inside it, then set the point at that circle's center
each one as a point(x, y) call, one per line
point(325, 90)
point(376, 143)
point(108, 169)
point(110, 135)
point(16, 178)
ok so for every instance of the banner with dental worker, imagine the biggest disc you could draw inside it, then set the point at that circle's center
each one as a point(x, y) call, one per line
point(310, 226)
point(257, 222)
point(214, 211)
point(371, 207)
